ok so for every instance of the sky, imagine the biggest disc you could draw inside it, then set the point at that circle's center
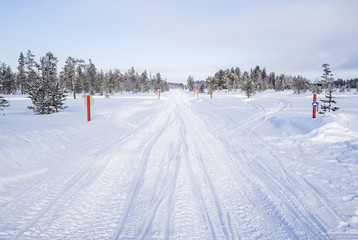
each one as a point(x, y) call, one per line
point(179, 38)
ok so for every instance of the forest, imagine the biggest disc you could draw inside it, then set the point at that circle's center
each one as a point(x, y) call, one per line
point(77, 76)
point(48, 87)
point(259, 80)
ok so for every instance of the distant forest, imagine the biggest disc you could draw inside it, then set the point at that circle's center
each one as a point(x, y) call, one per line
point(259, 80)
point(75, 77)
point(78, 76)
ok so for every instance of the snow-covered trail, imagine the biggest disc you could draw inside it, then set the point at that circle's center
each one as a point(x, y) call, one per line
point(171, 169)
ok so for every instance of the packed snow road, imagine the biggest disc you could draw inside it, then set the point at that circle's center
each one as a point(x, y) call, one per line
point(176, 168)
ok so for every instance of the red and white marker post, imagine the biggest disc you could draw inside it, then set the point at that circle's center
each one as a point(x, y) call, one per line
point(89, 101)
point(314, 104)
point(88, 108)
point(158, 93)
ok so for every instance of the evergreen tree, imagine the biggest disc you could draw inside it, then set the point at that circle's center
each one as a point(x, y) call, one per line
point(300, 84)
point(210, 81)
point(221, 79)
point(68, 78)
point(2, 76)
point(101, 79)
point(30, 72)
point(272, 80)
point(8, 83)
point(3, 103)
point(248, 85)
point(91, 74)
point(327, 75)
point(238, 78)
point(144, 82)
point(21, 73)
point(280, 83)
point(256, 77)
point(230, 79)
point(44, 90)
point(119, 81)
point(137, 84)
point(327, 103)
point(159, 81)
point(190, 83)
point(67, 75)
point(81, 79)
point(165, 85)
point(58, 97)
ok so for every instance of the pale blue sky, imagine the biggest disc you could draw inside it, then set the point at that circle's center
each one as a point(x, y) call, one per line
point(182, 38)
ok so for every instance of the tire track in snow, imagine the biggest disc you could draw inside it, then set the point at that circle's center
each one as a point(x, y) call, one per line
point(214, 196)
point(289, 188)
point(144, 150)
point(282, 189)
point(257, 197)
point(65, 193)
point(167, 185)
point(202, 182)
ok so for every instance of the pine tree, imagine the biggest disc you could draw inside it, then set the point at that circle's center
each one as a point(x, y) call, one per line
point(190, 83)
point(8, 84)
point(21, 73)
point(300, 84)
point(221, 79)
point(230, 79)
point(280, 83)
point(238, 78)
point(44, 91)
point(327, 75)
point(144, 82)
point(30, 72)
point(248, 85)
point(67, 75)
point(91, 74)
point(3, 103)
point(327, 103)
point(58, 97)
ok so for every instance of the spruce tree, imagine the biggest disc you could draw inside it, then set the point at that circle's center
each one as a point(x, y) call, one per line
point(145, 82)
point(8, 83)
point(221, 78)
point(327, 103)
point(31, 74)
point(190, 83)
point(58, 97)
point(158, 84)
point(21, 73)
point(327, 75)
point(248, 86)
point(44, 90)
point(3, 103)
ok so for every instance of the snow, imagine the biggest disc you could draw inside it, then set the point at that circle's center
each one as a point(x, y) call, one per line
point(181, 168)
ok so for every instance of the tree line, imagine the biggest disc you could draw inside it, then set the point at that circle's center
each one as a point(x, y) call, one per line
point(250, 82)
point(258, 79)
point(47, 87)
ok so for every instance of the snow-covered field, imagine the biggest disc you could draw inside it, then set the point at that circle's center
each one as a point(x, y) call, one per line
point(181, 168)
